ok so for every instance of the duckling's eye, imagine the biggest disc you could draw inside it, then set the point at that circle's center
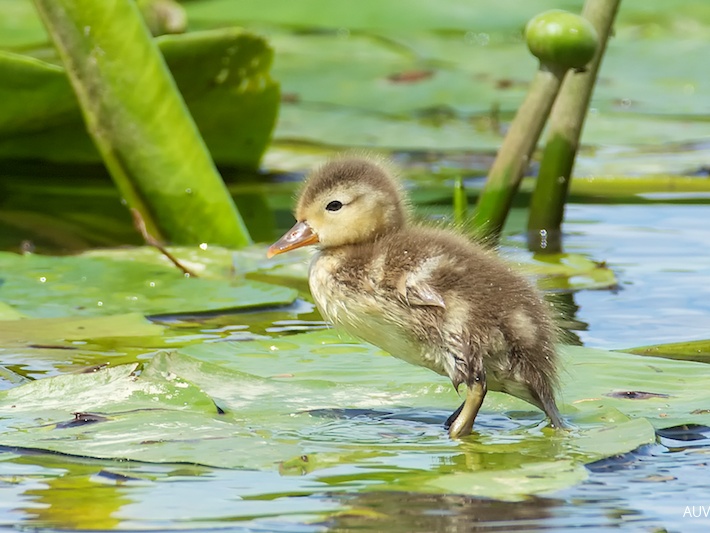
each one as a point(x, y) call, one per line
point(335, 205)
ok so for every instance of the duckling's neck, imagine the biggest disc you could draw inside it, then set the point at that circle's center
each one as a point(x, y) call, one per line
point(365, 246)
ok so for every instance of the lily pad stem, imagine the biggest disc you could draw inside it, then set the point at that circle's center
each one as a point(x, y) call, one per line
point(566, 123)
point(518, 146)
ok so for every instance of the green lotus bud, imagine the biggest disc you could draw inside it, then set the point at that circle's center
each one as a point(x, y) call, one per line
point(561, 39)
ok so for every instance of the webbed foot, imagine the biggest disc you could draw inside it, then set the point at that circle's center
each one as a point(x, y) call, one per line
point(466, 414)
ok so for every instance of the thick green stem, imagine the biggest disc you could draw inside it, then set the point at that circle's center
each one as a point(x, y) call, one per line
point(515, 153)
point(139, 122)
point(460, 202)
point(566, 123)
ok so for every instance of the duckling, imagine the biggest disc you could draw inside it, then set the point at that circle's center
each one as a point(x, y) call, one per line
point(428, 296)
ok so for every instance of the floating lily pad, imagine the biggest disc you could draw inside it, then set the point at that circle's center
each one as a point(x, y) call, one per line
point(570, 272)
point(171, 413)
point(555, 272)
point(589, 376)
point(330, 401)
point(9, 379)
point(207, 262)
point(40, 346)
point(477, 71)
point(67, 329)
point(9, 313)
point(688, 351)
point(42, 286)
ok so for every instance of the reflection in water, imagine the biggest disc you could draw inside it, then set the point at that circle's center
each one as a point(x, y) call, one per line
point(71, 498)
point(643, 491)
point(565, 310)
point(406, 512)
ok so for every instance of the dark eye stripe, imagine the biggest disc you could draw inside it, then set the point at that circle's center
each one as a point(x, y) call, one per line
point(335, 205)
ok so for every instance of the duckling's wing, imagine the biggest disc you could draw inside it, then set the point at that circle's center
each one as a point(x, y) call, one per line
point(418, 292)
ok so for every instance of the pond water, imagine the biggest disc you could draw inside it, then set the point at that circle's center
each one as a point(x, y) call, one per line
point(661, 257)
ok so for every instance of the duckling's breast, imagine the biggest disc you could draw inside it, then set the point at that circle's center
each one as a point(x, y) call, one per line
point(356, 301)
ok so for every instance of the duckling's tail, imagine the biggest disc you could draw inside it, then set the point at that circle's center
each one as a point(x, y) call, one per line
point(546, 402)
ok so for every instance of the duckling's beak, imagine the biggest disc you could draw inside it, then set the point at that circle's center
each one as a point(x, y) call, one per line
point(298, 236)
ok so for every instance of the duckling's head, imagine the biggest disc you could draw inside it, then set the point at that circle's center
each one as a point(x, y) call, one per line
point(349, 200)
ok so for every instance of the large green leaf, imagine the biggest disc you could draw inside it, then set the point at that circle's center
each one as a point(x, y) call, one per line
point(223, 76)
point(147, 139)
point(309, 403)
point(42, 286)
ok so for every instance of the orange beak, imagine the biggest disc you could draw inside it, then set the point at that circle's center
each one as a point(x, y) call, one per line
point(298, 236)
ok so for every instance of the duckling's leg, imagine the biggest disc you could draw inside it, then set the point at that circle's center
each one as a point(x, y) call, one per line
point(466, 414)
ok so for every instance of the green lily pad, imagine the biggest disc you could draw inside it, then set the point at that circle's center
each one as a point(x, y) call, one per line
point(9, 313)
point(169, 413)
point(569, 272)
point(593, 381)
point(426, 79)
point(307, 403)
point(43, 287)
point(41, 346)
point(65, 330)
point(555, 272)
point(688, 351)
point(9, 379)
point(206, 261)
point(549, 475)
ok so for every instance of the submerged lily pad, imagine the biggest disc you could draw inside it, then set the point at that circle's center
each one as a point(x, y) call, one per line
point(67, 329)
point(307, 403)
point(43, 286)
point(40, 346)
